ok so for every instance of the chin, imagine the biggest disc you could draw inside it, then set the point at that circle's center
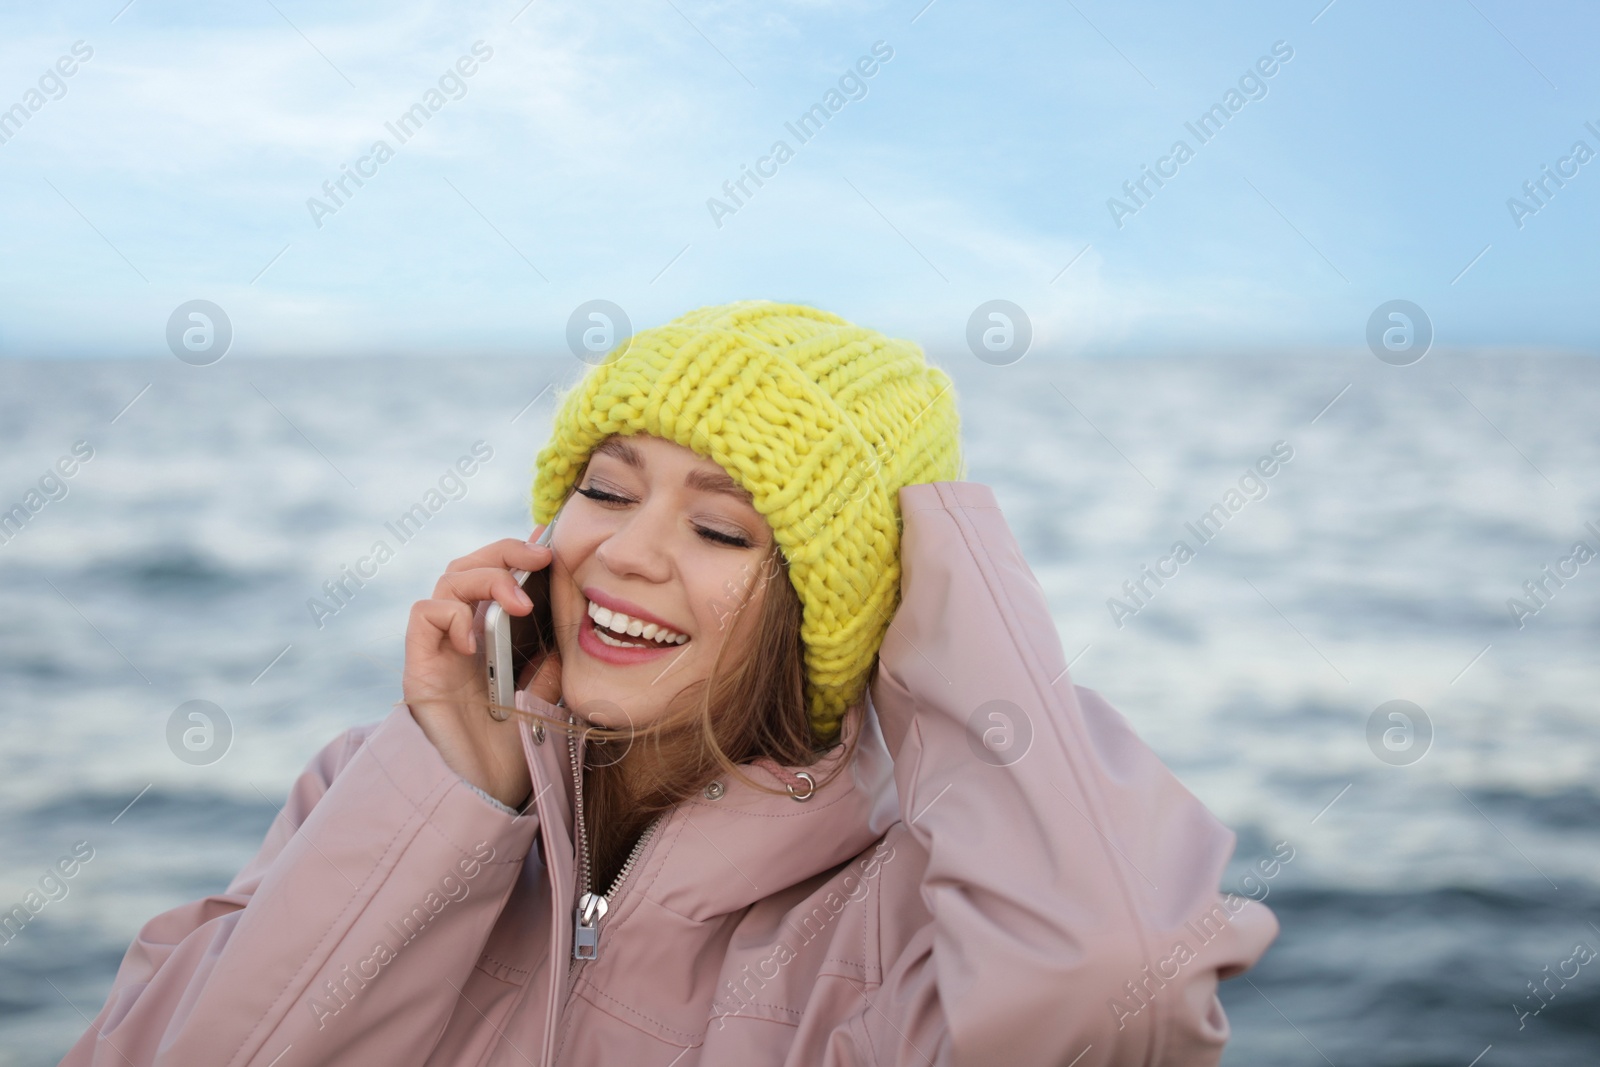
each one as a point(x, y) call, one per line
point(588, 698)
point(616, 707)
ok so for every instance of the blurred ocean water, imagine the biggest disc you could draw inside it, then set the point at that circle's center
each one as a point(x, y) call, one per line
point(1405, 507)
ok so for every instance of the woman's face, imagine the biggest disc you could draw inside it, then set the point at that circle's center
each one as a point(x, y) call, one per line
point(680, 545)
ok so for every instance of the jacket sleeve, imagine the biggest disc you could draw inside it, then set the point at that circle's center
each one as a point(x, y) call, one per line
point(383, 860)
point(1072, 880)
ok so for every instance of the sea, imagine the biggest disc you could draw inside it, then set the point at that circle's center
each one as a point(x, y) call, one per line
point(1375, 654)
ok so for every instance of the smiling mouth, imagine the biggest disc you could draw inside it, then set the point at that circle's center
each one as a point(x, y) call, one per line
point(619, 630)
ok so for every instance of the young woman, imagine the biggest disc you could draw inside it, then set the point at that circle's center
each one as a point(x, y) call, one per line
point(804, 780)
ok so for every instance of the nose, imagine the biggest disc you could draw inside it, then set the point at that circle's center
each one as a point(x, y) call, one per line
point(635, 548)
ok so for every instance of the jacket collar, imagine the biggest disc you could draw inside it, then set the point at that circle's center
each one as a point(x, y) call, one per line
point(713, 857)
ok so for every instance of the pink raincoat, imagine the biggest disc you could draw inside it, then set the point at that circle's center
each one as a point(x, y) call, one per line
point(1005, 875)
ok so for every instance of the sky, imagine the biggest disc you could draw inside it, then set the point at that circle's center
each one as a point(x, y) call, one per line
point(985, 157)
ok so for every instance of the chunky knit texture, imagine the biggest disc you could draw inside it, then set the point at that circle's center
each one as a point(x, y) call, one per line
point(821, 420)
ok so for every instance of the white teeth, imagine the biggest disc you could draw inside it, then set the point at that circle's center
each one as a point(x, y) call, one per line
point(615, 621)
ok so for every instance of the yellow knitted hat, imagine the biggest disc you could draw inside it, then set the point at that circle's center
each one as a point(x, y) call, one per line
point(821, 420)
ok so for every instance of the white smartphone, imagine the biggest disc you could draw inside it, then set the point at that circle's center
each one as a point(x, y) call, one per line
point(510, 641)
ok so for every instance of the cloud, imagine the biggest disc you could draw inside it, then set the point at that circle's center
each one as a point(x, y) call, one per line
point(590, 142)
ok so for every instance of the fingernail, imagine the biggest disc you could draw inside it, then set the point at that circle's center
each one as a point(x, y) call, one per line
point(522, 598)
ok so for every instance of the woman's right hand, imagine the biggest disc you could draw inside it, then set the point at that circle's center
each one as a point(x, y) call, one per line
point(444, 682)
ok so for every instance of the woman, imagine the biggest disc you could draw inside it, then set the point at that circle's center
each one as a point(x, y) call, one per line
point(840, 804)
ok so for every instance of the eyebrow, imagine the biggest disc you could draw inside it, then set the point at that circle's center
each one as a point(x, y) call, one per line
point(708, 481)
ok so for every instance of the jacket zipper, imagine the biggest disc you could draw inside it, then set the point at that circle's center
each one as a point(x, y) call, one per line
point(591, 907)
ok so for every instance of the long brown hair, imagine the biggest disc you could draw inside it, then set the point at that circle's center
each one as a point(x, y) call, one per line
point(756, 709)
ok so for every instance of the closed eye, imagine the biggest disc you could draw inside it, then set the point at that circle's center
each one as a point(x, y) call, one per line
point(714, 536)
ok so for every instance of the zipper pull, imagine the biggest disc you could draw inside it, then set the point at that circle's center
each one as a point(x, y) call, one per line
point(591, 908)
